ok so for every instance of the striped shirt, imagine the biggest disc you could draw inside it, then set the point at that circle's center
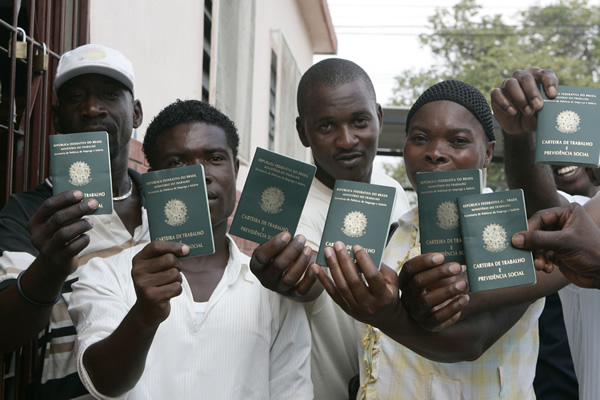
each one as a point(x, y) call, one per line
point(109, 236)
point(392, 371)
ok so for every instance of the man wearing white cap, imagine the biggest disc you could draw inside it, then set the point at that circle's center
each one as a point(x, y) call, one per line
point(44, 239)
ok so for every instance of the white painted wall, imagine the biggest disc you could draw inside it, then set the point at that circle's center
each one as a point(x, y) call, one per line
point(283, 16)
point(163, 40)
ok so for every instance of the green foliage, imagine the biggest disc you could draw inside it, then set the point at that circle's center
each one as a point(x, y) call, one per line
point(398, 172)
point(484, 50)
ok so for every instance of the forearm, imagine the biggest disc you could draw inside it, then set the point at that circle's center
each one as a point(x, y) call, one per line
point(466, 340)
point(116, 363)
point(20, 319)
point(522, 172)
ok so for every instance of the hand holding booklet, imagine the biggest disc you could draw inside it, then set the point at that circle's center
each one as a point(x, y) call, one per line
point(359, 214)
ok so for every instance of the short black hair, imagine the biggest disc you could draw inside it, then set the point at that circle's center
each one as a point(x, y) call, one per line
point(331, 72)
point(182, 112)
point(461, 93)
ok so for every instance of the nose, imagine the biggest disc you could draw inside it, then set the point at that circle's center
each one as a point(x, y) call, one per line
point(207, 170)
point(346, 138)
point(436, 153)
point(92, 107)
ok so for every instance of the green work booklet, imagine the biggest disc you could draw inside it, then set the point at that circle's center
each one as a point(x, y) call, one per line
point(82, 161)
point(488, 222)
point(359, 213)
point(273, 197)
point(178, 209)
point(438, 211)
point(567, 128)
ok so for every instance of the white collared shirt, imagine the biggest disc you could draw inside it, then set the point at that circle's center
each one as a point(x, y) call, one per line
point(251, 344)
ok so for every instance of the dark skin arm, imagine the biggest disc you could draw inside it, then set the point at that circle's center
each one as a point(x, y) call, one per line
point(515, 105)
point(378, 303)
point(116, 363)
point(57, 230)
point(572, 235)
point(282, 265)
point(429, 284)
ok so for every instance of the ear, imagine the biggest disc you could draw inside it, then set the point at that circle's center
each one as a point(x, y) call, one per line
point(489, 152)
point(236, 167)
point(380, 117)
point(138, 114)
point(56, 118)
point(301, 132)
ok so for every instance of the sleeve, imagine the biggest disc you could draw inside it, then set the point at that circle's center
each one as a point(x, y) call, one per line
point(289, 375)
point(16, 250)
point(573, 198)
point(100, 300)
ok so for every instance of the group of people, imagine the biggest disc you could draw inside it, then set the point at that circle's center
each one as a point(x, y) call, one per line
point(118, 316)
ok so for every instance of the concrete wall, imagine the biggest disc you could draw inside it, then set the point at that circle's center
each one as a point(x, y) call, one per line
point(163, 40)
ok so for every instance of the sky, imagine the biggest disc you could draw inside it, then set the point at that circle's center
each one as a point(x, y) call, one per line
point(382, 35)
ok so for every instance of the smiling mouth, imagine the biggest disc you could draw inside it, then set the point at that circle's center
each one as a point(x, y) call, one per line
point(567, 171)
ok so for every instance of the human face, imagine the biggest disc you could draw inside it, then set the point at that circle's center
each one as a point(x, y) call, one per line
point(444, 136)
point(199, 143)
point(93, 102)
point(341, 125)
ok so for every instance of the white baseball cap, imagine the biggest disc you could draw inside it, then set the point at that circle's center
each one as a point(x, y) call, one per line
point(94, 59)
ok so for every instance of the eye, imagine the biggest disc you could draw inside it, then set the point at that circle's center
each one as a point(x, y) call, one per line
point(74, 97)
point(177, 162)
point(216, 158)
point(361, 122)
point(460, 141)
point(417, 138)
point(325, 126)
point(111, 94)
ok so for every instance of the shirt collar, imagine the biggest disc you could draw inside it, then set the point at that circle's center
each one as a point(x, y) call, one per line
point(238, 265)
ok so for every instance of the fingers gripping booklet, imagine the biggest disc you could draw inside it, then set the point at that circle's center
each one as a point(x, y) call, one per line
point(178, 209)
point(359, 214)
point(82, 161)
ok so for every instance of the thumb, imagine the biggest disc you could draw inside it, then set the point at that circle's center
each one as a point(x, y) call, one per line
point(519, 240)
point(539, 240)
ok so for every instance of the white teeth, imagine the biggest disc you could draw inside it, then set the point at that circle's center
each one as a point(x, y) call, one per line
point(567, 170)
